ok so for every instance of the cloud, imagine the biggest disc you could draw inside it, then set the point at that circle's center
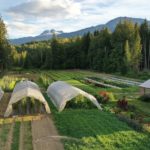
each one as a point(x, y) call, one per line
point(30, 17)
point(19, 29)
point(54, 9)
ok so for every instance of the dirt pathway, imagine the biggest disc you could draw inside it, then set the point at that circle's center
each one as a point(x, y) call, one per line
point(4, 103)
point(9, 140)
point(44, 133)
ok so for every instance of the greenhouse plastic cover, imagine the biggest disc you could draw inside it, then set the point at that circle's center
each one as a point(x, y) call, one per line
point(25, 89)
point(146, 84)
point(60, 93)
point(1, 93)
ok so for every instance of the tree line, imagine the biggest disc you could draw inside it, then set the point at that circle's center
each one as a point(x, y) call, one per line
point(126, 49)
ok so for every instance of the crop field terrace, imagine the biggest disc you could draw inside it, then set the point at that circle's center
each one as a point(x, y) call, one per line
point(82, 128)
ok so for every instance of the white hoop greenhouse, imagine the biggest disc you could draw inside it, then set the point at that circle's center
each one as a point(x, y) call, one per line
point(25, 89)
point(60, 93)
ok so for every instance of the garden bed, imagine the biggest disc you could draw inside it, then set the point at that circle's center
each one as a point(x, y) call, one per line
point(101, 84)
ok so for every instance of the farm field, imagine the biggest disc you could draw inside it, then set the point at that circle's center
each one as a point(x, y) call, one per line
point(80, 128)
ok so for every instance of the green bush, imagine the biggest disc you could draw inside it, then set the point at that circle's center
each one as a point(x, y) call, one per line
point(45, 80)
point(106, 97)
point(133, 115)
point(80, 102)
point(8, 83)
point(111, 96)
point(98, 97)
point(132, 108)
point(132, 123)
point(146, 120)
point(145, 98)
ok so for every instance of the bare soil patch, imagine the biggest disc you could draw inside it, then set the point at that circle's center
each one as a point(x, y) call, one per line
point(4, 103)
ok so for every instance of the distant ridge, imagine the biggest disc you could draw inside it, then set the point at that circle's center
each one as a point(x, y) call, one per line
point(47, 34)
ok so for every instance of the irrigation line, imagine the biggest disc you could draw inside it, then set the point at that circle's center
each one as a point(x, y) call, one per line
point(57, 138)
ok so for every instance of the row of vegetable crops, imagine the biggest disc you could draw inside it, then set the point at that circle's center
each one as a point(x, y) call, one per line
point(10, 136)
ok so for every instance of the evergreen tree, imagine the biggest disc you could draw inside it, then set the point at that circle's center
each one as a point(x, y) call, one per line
point(85, 44)
point(4, 47)
point(127, 53)
point(123, 32)
point(144, 31)
point(136, 51)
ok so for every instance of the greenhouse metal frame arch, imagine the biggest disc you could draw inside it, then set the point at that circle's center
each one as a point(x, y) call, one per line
point(25, 89)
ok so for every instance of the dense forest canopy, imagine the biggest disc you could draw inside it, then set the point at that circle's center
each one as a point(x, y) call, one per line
point(125, 50)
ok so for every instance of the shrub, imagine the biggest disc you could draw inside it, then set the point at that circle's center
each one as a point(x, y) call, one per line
point(116, 110)
point(145, 98)
point(123, 103)
point(132, 108)
point(98, 97)
point(133, 116)
point(8, 83)
point(45, 80)
point(80, 102)
point(146, 120)
point(111, 96)
point(132, 123)
point(106, 96)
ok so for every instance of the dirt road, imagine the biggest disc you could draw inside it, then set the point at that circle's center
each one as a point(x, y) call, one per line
point(44, 135)
point(4, 103)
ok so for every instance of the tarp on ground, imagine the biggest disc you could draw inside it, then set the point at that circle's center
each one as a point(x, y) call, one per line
point(25, 89)
point(61, 92)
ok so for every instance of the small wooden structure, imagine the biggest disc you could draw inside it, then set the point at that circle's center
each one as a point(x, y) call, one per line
point(145, 87)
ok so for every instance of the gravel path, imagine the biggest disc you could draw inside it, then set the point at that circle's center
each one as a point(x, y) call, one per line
point(43, 133)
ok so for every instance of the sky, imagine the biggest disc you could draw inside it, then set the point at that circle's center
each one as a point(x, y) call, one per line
point(31, 17)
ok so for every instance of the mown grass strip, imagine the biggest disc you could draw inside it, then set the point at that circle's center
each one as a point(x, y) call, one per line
point(16, 136)
point(27, 137)
point(4, 134)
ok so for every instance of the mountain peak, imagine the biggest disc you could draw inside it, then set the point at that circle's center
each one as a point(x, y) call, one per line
point(50, 32)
